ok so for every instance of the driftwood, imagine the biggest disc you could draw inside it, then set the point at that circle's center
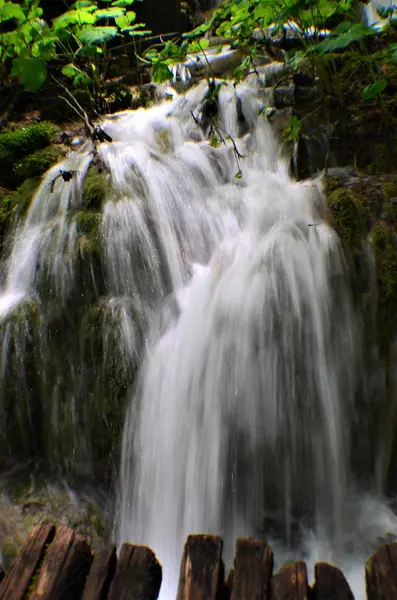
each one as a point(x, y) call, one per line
point(57, 564)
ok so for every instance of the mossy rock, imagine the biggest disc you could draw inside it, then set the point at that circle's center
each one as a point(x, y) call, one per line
point(384, 243)
point(349, 217)
point(19, 201)
point(94, 189)
point(37, 163)
point(88, 224)
point(15, 145)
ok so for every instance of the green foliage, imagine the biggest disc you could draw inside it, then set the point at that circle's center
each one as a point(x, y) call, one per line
point(37, 163)
point(374, 89)
point(253, 24)
point(16, 145)
point(79, 38)
point(383, 241)
point(292, 131)
point(17, 202)
point(349, 218)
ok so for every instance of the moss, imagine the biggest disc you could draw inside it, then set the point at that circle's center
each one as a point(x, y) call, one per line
point(17, 144)
point(9, 551)
point(89, 228)
point(349, 217)
point(384, 242)
point(18, 201)
point(37, 163)
point(94, 189)
point(390, 189)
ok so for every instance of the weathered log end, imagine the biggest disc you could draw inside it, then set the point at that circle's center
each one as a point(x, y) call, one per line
point(202, 570)
point(330, 583)
point(65, 567)
point(138, 575)
point(19, 578)
point(101, 574)
point(381, 573)
point(253, 568)
point(290, 583)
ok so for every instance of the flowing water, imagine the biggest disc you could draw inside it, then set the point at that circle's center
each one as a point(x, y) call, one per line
point(225, 283)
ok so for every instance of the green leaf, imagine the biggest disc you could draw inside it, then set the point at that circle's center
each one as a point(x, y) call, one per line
point(85, 4)
point(291, 133)
point(374, 89)
point(96, 35)
point(32, 73)
point(123, 3)
point(355, 33)
point(198, 45)
point(109, 13)
point(78, 76)
point(11, 11)
point(135, 30)
point(74, 17)
point(161, 72)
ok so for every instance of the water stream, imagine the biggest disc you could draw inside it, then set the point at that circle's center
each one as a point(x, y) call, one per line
point(225, 282)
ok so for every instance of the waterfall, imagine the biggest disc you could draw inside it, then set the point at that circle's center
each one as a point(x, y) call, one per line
point(241, 419)
point(220, 302)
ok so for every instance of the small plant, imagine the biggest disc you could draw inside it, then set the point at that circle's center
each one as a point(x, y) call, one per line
point(79, 37)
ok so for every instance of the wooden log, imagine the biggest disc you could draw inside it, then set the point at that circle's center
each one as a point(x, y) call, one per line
point(65, 567)
point(330, 583)
point(16, 584)
point(138, 575)
point(101, 574)
point(290, 583)
point(253, 568)
point(381, 573)
point(202, 572)
point(2, 574)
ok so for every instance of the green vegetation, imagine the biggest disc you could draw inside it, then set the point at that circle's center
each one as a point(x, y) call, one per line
point(349, 218)
point(94, 189)
point(19, 200)
point(76, 41)
point(89, 228)
point(17, 145)
point(37, 163)
point(385, 248)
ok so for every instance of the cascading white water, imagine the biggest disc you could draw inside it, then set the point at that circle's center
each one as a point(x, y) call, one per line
point(241, 421)
point(221, 278)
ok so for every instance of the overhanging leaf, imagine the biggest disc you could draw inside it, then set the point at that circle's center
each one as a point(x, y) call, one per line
point(109, 13)
point(374, 89)
point(11, 11)
point(85, 4)
point(97, 35)
point(123, 3)
point(74, 17)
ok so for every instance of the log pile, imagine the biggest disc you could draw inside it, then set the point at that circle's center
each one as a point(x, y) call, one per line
point(56, 563)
